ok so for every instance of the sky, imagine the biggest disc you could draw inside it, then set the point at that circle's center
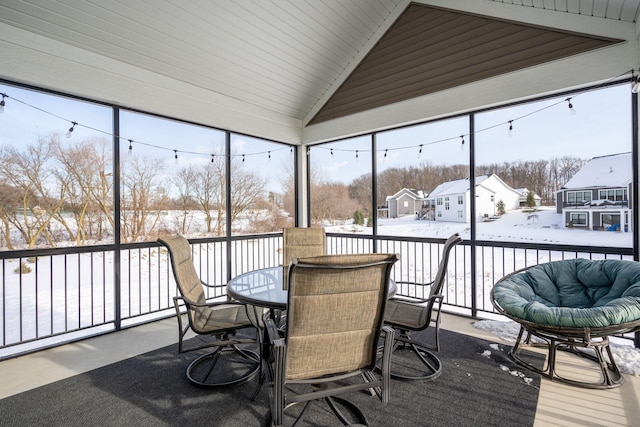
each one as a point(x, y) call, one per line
point(541, 130)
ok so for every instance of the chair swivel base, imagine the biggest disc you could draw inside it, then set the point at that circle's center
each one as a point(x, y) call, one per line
point(224, 367)
point(334, 404)
point(413, 361)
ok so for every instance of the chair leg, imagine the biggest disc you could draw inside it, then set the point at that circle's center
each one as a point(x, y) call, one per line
point(202, 369)
point(406, 352)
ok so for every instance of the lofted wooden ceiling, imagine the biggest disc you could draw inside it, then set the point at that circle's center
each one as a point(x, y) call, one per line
point(283, 66)
point(431, 49)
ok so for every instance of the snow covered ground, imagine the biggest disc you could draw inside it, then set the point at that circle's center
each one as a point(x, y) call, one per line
point(543, 226)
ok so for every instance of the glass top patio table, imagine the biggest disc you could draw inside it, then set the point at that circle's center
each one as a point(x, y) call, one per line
point(264, 288)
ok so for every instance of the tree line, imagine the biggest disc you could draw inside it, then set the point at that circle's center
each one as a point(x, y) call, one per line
point(543, 177)
point(52, 192)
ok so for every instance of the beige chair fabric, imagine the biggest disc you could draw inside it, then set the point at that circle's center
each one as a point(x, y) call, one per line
point(415, 314)
point(220, 319)
point(335, 315)
point(300, 243)
point(303, 242)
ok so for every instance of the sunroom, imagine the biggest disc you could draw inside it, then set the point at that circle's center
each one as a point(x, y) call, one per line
point(227, 121)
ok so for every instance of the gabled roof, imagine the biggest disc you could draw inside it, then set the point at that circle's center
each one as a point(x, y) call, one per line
point(603, 172)
point(455, 187)
point(411, 192)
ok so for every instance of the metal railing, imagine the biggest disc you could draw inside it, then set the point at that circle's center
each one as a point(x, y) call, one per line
point(51, 296)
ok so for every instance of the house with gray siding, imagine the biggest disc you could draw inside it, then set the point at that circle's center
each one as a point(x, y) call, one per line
point(597, 197)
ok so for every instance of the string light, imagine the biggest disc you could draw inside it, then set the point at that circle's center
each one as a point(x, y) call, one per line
point(70, 131)
point(385, 153)
point(570, 105)
point(635, 80)
point(243, 158)
point(130, 146)
point(175, 155)
point(635, 88)
point(510, 128)
point(212, 157)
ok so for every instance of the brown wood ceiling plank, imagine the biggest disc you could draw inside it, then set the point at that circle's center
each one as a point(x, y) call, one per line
point(430, 49)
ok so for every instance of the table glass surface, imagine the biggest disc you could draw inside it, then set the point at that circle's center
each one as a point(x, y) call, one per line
point(264, 288)
point(259, 287)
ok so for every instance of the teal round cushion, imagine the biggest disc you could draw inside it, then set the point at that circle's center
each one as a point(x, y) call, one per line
point(576, 293)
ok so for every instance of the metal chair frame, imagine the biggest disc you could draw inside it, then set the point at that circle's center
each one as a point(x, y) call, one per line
point(421, 312)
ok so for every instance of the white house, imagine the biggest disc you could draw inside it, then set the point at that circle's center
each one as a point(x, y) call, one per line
point(407, 201)
point(524, 194)
point(451, 199)
point(597, 197)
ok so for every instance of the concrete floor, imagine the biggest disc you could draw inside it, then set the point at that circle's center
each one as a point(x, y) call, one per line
point(558, 404)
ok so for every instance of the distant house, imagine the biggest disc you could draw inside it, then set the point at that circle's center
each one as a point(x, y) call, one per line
point(407, 201)
point(452, 199)
point(597, 196)
point(524, 194)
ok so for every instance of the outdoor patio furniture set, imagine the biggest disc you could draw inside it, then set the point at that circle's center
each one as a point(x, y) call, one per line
point(317, 304)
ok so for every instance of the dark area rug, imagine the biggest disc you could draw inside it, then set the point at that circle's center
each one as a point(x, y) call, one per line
point(479, 386)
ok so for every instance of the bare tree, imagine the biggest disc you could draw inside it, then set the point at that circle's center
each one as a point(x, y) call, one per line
point(84, 165)
point(186, 181)
point(142, 197)
point(32, 173)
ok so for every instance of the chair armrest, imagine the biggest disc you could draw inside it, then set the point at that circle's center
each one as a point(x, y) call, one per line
point(272, 330)
point(212, 286)
point(407, 282)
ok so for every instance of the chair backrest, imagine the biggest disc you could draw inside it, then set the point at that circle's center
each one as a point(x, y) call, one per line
point(438, 282)
point(187, 279)
point(300, 243)
point(335, 312)
point(303, 242)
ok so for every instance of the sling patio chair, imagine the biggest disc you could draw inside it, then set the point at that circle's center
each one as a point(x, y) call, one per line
point(335, 318)
point(407, 314)
point(228, 363)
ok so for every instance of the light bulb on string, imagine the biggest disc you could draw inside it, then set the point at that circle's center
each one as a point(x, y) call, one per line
point(356, 154)
point(243, 158)
point(462, 142)
point(130, 147)
point(175, 156)
point(420, 151)
point(2, 102)
point(635, 88)
point(269, 152)
point(212, 157)
point(510, 128)
point(570, 105)
point(331, 151)
point(70, 131)
point(385, 153)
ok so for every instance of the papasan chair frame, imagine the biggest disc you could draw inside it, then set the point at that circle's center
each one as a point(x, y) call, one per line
point(576, 340)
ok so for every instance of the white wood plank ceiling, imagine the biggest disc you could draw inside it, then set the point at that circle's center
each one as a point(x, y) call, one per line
point(270, 64)
point(623, 10)
point(280, 55)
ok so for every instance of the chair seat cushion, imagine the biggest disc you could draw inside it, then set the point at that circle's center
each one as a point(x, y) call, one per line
point(406, 314)
point(577, 293)
point(220, 317)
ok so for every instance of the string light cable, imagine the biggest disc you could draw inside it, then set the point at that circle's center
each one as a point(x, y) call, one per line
point(635, 79)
